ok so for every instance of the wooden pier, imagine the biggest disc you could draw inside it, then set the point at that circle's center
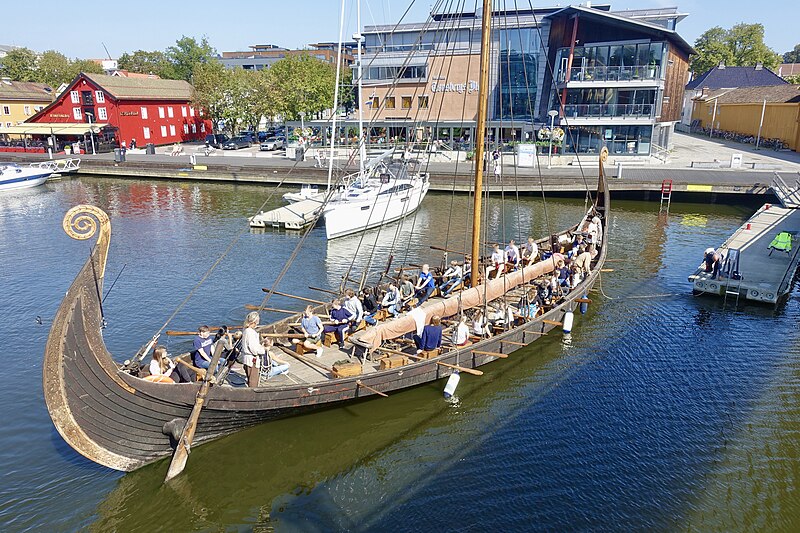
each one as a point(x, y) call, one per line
point(749, 269)
point(294, 216)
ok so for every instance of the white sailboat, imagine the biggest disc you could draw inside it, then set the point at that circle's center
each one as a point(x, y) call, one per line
point(386, 190)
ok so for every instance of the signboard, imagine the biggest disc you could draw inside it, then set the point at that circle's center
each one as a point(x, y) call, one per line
point(526, 155)
point(446, 87)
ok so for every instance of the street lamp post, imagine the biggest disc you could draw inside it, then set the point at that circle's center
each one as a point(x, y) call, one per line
point(91, 133)
point(302, 124)
point(552, 114)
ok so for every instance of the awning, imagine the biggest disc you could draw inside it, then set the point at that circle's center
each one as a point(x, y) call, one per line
point(53, 128)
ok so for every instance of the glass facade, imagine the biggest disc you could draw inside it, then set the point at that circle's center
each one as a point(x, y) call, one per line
point(625, 62)
point(620, 140)
point(516, 85)
point(610, 102)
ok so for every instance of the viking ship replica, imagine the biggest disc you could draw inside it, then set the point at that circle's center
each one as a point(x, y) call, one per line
point(112, 415)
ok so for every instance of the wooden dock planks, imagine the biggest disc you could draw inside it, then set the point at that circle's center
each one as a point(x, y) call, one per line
point(292, 217)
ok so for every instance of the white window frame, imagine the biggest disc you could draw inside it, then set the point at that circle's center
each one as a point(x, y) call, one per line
point(102, 114)
point(100, 97)
point(172, 130)
point(202, 127)
point(146, 132)
point(194, 128)
point(143, 111)
point(170, 112)
point(8, 124)
point(185, 128)
point(163, 131)
point(27, 109)
point(161, 112)
point(76, 113)
point(183, 111)
point(75, 97)
point(6, 109)
point(191, 111)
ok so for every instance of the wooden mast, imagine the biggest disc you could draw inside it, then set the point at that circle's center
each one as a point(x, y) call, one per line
point(480, 135)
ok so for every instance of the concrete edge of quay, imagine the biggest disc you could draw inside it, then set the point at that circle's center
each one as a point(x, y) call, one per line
point(644, 182)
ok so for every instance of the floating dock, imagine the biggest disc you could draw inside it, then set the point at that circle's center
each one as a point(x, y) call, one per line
point(750, 269)
point(294, 216)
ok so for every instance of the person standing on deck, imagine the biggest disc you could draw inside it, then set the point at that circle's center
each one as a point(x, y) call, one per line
point(583, 261)
point(461, 334)
point(252, 350)
point(425, 285)
point(341, 319)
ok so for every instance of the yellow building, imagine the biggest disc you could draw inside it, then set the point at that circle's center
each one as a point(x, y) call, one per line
point(20, 100)
point(740, 111)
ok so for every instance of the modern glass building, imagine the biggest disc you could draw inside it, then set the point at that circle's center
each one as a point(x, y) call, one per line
point(612, 77)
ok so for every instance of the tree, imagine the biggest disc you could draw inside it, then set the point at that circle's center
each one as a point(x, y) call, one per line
point(302, 83)
point(742, 45)
point(84, 65)
point(793, 56)
point(145, 62)
point(53, 68)
point(187, 54)
point(211, 93)
point(794, 80)
point(19, 65)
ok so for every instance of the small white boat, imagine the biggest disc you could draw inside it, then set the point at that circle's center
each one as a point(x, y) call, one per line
point(13, 176)
point(388, 190)
point(307, 192)
point(16, 177)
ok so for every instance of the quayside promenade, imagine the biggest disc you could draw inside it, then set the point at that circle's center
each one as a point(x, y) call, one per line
point(696, 165)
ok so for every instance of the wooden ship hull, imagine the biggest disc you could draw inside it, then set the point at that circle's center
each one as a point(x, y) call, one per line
point(118, 420)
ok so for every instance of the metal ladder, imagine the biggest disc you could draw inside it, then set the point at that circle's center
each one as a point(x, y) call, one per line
point(730, 269)
point(789, 197)
point(666, 194)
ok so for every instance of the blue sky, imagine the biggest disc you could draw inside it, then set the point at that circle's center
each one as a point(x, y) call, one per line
point(78, 29)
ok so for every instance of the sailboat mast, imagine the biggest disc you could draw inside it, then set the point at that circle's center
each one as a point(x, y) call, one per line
point(362, 148)
point(336, 96)
point(480, 135)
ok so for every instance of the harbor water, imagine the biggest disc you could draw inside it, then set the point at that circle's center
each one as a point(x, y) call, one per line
point(661, 411)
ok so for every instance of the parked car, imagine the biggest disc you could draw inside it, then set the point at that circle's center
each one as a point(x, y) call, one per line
point(273, 143)
point(217, 139)
point(262, 135)
point(236, 143)
point(249, 135)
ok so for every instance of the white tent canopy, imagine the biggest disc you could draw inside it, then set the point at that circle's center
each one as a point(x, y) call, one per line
point(53, 128)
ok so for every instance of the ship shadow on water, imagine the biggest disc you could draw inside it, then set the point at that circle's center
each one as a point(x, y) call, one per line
point(261, 477)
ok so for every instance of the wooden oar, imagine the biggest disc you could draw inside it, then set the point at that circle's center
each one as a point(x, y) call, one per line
point(547, 321)
point(323, 290)
point(583, 300)
point(379, 393)
point(514, 343)
point(295, 297)
point(184, 445)
point(493, 354)
point(180, 332)
point(272, 309)
point(448, 365)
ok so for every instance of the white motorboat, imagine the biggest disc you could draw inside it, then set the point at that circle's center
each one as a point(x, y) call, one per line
point(386, 191)
point(16, 177)
point(13, 176)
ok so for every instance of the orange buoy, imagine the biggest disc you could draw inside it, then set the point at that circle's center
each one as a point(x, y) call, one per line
point(159, 379)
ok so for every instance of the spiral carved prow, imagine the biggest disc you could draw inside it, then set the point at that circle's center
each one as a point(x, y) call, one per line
point(81, 222)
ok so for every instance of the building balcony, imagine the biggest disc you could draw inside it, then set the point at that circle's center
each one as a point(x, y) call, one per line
point(607, 113)
point(649, 74)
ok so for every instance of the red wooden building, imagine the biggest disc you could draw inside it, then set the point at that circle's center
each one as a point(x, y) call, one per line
point(148, 110)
